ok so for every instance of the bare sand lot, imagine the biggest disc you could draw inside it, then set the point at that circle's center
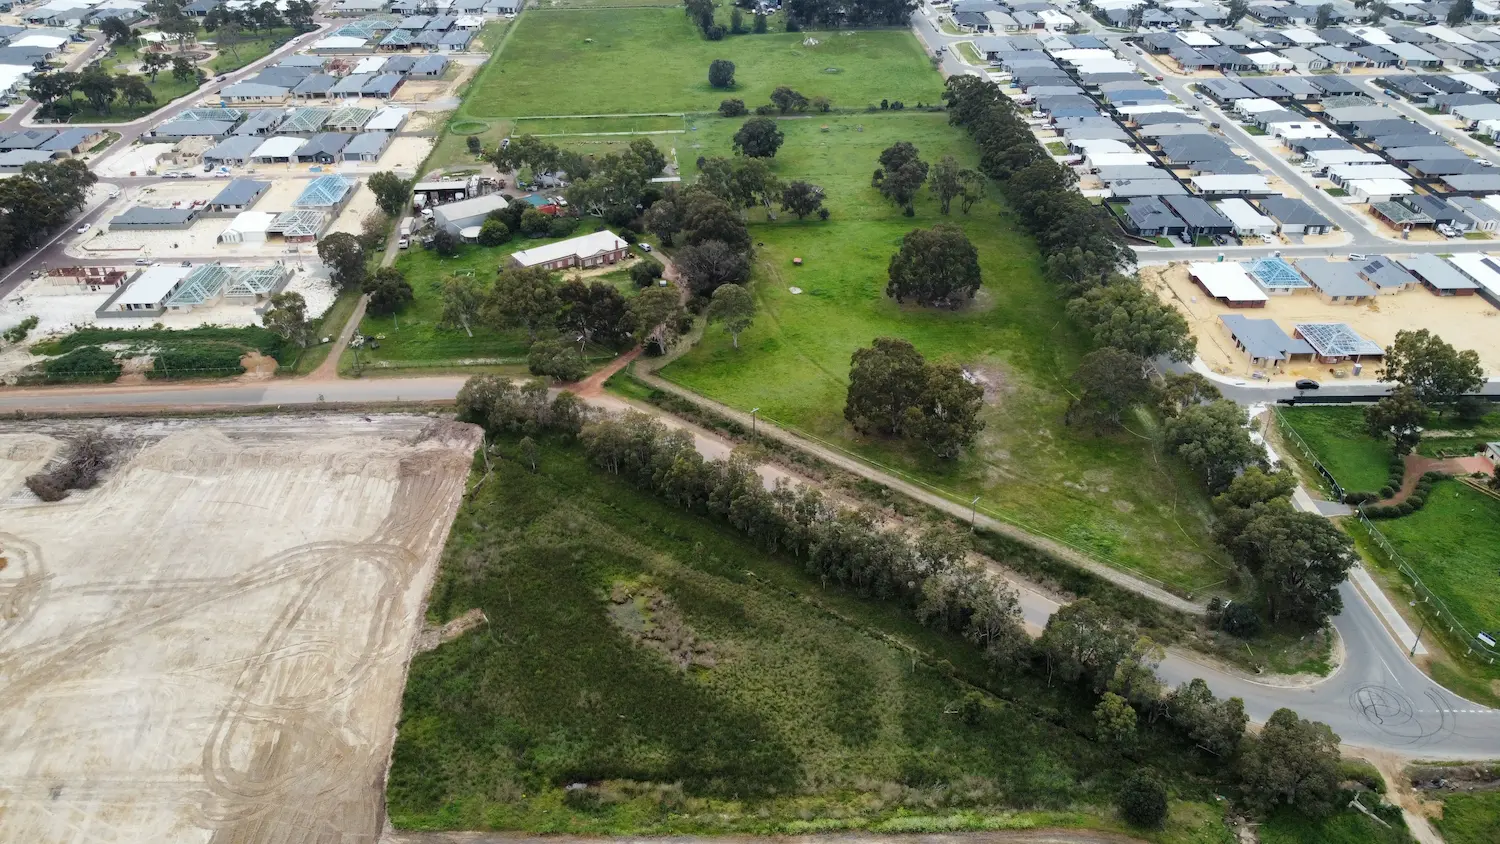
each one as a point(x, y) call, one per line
point(211, 645)
point(1468, 322)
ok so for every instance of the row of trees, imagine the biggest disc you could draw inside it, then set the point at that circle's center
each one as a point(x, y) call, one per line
point(1293, 762)
point(54, 91)
point(783, 100)
point(894, 391)
point(902, 173)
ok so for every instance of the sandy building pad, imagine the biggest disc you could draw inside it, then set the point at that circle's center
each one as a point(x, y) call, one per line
point(1468, 322)
point(212, 644)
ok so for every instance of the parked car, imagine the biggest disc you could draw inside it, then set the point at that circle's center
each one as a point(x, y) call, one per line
point(141, 262)
point(1357, 256)
point(1307, 384)
point(645, 247)
point(187, 263)
point(83, 228)
point(171, 175)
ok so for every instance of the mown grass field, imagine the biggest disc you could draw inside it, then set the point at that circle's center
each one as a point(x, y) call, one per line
point(624, 61)
point(1338, 437)
point(1454, 545)
point(412, 338)
point(121, 59)
point(821, 711)
point(1115, 496)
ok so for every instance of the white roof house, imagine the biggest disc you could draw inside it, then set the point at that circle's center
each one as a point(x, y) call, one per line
point(1228, 282)
point(1197, 38)
point(281, 146)
point(1210, 184)
point(46, 42)
point(151, 288)
point(247, 227)
point(1119, 159)
point(388, 119)
point(1329, 157)
point(369, 64)
point(1299, 130)
point(1410, 52)
point(1481, 268)
point(1372, 35)
point(339, 42)
point(1443, 33)
point(1377, 190)
point(1270, 61)
point(1304, 37)
point(1245, 218)
point(1255, 105)
point(1341, 173)
point(589, 244)
point(1476, 82)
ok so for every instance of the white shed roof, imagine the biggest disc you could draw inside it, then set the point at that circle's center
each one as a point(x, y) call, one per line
point(249, 221)
point(1379, 187)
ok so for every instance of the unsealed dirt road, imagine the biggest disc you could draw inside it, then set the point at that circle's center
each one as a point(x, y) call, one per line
point(211, 645)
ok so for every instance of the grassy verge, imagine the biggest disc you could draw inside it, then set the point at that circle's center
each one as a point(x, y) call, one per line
point(811, 704)
point(1115, 496)
point(665, 60)
point(1470, 818)
point(1348, 827)
point(967, 52)
point(246, 51)
point(1451, 543)
point(121, 59)
point(331, 324)
point(1337, 436)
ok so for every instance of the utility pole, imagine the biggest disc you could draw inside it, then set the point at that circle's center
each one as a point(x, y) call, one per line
point(1418, 640)
point(973, 513)
point(753, 411)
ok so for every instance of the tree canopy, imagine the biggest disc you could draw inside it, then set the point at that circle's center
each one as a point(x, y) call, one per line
point(1437, 373)
point(721, 73)
point(936, 266)
point(894, 391)
point(758, 137)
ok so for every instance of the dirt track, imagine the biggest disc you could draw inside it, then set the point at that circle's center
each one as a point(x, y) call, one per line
point(211, 645)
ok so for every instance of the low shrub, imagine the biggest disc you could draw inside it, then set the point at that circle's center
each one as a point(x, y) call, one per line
point(87, 364)
point(197, 360)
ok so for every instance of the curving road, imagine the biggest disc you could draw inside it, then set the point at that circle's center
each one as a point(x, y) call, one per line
point(1377, 699)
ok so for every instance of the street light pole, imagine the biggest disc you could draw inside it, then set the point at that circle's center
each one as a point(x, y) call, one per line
point(1418, 640)
point(753, 411)
point(973, 513)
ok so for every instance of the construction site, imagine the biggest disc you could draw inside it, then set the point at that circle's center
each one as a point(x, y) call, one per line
point(221, 655)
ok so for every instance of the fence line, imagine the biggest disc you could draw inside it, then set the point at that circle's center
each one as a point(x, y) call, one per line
point(1307, 453)
point(1429, 597)
point(995, 514)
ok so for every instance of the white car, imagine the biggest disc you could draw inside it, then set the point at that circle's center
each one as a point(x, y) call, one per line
point(83, 228)
point(171, 175)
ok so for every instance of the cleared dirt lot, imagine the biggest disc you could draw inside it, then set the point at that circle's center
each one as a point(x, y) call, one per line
point(1468, 322)
point(211, 645)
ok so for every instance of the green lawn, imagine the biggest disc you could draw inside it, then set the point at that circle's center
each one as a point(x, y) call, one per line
point(1470, 818)
point(654, 60)
point(1111, 495)
point(1337, 436)
point(1452, 543)
point(595, 125)
point(245, 50)
point(1347, 827)
point(126, 60)
point(412, 338)
point(968, 53)
point(1454, 437)
point(820, 711)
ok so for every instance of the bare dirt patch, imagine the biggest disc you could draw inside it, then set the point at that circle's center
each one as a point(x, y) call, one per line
point(211, 644)
point(431, 637)
point(651, 619)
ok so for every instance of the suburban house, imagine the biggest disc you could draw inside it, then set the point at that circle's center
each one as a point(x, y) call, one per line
point(1228, 284)
point(468, 213)
point(1263, 341)
point(590, 250)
